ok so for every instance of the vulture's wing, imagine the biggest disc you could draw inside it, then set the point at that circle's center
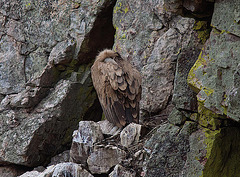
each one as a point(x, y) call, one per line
point(118, 86)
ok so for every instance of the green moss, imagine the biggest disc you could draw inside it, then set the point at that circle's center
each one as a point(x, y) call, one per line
point(208, 91)
point(119, 8)
point(198, 25)
point(192, 81)
point(202, 30)
point(103, 117)
point(207, 118)
point(126, 10)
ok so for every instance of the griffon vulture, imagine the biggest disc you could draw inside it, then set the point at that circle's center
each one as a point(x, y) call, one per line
point(118, 86)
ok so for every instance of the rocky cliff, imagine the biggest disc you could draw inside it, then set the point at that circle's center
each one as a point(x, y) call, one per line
point(188, 54)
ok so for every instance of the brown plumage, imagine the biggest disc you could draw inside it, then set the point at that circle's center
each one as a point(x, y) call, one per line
point(118, 86)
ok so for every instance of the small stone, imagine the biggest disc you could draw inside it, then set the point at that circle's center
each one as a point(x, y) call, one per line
point(130, 134)
point(120, 171)
point(87, 134)
point(108, 128)
point(63, 169)
point(30, 174)
point(70, 169)
point(103, 158)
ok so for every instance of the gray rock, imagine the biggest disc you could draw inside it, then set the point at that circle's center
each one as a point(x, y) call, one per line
point(30, 174)
point(70, 169)
point(103, 158)
point(130, 134)
point(12, 79)
point(167, 150)
point(215, 82)
point(62, 169)
point(120, 171)
point(63, 52)
point(226, 16)
point(88, 133)
point(108, 128)
point(151, 37)
point(183, 97)
point(196, 157)
point(176, 117)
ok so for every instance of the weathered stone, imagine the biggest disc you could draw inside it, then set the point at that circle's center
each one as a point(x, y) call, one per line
point(30, 174)
point(88, 133)
point(120, 171)
point(131, 134)
point(70, 169)
point(209, 151)
point(103, 158)
point(226, 16)
point(212, 75)
point(167, 150)
point(108, 128)
point(60, 158)
point(62, 169)
point(183, 97)
point(12, 78)
point(196, 157)
point(63, 52)
point(176, 117)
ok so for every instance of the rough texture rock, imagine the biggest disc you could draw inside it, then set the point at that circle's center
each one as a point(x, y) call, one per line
point(130, 134)
point(103, 158)
point(215, 74)
point(88, 133)
point(196, 157)
point(176, 117)
point(62, 169)
point(31, 174)
point(226, 16)
point(120, 171)
point(167, 150)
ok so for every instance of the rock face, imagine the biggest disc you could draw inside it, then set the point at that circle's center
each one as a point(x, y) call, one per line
point(153, 39)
